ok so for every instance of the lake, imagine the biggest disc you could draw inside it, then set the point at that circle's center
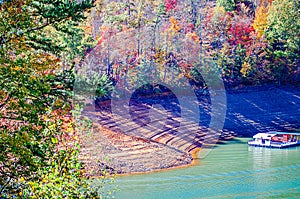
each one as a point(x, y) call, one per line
point(231, 170)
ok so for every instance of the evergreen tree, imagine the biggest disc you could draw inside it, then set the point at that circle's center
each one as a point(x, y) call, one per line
point(39, 42)
point(229, 5)
point(282, 32)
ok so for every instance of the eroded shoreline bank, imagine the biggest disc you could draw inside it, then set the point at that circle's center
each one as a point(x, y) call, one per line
point(249, 111)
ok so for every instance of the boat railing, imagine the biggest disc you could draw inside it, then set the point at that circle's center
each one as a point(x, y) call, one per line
point(277, 143)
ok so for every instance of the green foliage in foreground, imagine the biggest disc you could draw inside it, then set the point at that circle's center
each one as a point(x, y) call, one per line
point(39, 42)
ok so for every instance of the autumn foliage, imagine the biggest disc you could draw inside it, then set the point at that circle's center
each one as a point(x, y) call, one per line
point(170, 5)
point(240, 33)
point(235, 34)
point(39, 46)
point(43, 43)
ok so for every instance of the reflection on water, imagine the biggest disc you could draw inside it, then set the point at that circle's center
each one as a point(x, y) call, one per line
point(232, 170)
point(261, 157)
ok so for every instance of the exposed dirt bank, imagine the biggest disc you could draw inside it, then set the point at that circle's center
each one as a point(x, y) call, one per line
point(249, 110)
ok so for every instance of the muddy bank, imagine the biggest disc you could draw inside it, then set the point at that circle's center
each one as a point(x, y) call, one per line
point(118, 153)
point(249, 110)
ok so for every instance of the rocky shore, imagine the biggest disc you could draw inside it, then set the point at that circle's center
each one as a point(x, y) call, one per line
point(117, 153)
point(249, 110)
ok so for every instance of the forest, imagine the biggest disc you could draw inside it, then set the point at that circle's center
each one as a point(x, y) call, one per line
point(50, 50)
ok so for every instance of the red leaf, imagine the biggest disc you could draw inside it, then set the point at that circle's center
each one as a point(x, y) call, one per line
point(170, 4)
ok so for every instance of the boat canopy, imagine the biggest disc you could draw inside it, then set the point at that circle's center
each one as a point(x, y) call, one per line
point(285, 133)
point(264, 135)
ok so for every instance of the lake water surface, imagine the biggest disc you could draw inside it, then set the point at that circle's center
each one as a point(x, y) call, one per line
point(231, 170)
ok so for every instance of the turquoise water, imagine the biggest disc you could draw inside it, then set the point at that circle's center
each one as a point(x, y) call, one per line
point(231, 170)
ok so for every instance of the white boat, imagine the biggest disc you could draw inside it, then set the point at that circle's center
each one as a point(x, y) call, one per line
point(275, 139)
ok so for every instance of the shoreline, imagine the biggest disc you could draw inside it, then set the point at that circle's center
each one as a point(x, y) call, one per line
point(249, 111)
point(121, 154)
point(194, 162)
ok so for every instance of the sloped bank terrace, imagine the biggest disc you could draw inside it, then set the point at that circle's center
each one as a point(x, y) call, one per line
point(250, 110)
